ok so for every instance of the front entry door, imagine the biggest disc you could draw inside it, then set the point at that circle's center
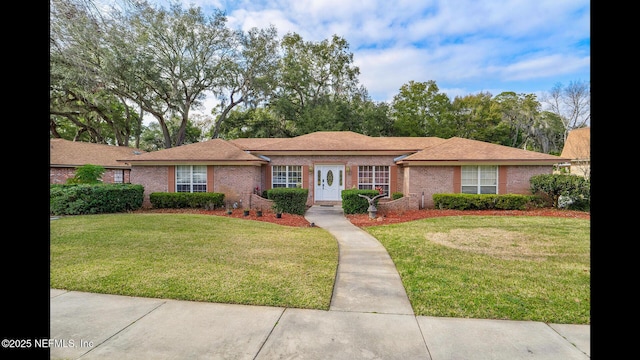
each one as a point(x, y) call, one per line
point(329, 182)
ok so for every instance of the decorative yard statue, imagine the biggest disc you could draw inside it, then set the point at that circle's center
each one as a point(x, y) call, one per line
point(372, 207)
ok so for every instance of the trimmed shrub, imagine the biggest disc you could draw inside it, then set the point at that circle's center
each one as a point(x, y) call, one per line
point(82, 199)
point(354, 204)
point(482, 201)
point(179, 200)
point(289, 200)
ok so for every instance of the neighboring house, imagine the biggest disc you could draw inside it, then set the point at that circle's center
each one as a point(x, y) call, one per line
point(328, 162)
point(577, 148)
point(66, 156)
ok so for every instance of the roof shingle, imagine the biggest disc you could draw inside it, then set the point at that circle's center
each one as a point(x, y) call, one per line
point(78, 153)
point(460, 149)
point(211, 150)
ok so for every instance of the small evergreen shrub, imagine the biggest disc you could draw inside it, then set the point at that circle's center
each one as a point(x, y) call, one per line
point(289, 200)
point(482, 201)
point(354, 204)
point(180, 200)
point(563, 190)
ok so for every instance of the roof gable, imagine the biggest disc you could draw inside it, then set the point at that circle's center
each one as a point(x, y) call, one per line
point(578, 144)
point(78, 153)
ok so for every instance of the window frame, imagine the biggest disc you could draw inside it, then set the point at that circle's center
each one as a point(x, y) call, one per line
point(118, 176)
point(286, 176)
point(377, 176)
point(185, 176)
point(479, 177)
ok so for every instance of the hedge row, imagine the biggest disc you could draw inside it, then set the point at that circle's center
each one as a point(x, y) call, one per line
point(180, 200)
point(83, 199)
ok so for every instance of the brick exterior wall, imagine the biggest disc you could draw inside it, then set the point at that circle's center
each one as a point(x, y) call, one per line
point(153, 178)
point(350, 163)
point(238, 183)
point(394, 206)
point(441, 179)
point(430, 180)
point(60, 175)
point(518, 177)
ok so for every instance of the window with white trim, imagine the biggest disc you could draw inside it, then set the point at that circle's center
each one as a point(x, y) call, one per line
point(286, 176)
point(118, 176)
point(191, 178)
point(374, 177)
point(480, 179)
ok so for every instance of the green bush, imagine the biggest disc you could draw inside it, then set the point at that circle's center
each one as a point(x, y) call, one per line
point(289, 200)
point(179, 200)
point(563, 190)
point(396, 195)
point(82, 199)
point(482, 201)
point(354, 204)
point(87, 174)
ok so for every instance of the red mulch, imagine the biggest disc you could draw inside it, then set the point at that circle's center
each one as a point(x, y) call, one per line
point(363, 220)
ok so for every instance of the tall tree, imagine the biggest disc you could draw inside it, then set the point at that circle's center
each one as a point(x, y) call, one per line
point(572, 103)
point(548, 133)
point(476, 117)
point(78, 98)
point(249, 74)
point(175, 57)
point(519, 113)
point(420, 109)
point(313, 75)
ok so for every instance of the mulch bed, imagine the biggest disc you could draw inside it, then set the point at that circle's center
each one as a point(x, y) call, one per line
point(363, 220)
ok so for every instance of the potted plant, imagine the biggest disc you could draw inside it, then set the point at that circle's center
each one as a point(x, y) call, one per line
point(259, 212)
point(245, 212)
point(278, 210)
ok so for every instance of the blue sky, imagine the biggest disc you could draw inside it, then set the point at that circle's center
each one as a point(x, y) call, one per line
point(465, 46)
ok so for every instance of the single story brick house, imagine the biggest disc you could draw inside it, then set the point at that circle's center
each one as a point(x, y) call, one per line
point(327, 162)
point(66, 156)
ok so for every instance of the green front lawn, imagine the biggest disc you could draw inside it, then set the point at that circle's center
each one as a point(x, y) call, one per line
point(502, 267)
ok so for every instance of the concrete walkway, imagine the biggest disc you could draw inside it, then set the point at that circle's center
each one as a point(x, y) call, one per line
point(369, 318)
point(367, 279)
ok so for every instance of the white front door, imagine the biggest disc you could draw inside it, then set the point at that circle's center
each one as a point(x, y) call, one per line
point(329, 182)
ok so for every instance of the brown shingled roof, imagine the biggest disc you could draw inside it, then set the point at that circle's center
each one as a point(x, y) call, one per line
point(66, 153)
point(578, 144)
point(424, 149)
point(254, 143)
point(211, 150)
point(460, 149)
point(339, 141)
point(322, 141)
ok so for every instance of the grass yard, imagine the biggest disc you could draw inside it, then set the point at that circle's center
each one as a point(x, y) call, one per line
point(491, 267)
point(494, 267)
point(194, 257)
